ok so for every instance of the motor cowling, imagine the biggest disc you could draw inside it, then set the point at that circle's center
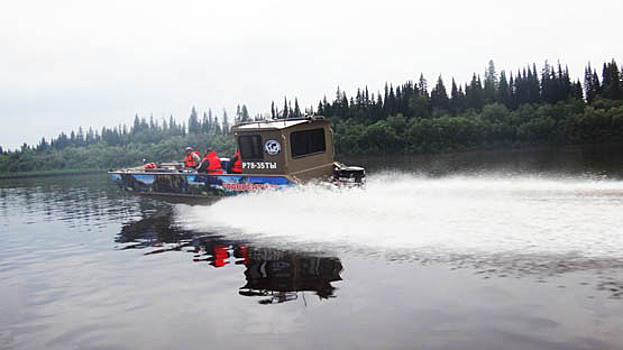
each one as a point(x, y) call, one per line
point(349, 175)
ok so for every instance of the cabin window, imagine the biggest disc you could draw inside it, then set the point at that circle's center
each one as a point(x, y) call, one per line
point(307, 142)
point(251, 147)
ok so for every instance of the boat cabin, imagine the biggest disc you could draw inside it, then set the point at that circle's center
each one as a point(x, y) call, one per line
point(301, 147)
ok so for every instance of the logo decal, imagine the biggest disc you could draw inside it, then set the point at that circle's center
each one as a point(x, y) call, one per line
point(272, 147)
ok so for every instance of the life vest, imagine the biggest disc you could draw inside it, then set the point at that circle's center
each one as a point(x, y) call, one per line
point(149, 166)
point(220, 256)
point(236, 168)
point(189, 161)
point(214, 163)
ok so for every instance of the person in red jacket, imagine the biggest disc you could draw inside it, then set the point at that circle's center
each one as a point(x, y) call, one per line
point(192, 159)
point(235, 165)
point(211, 163)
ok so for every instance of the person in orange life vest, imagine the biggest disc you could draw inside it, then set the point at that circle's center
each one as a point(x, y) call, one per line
point(192, 159)
point(235, 165)
point(211, 163)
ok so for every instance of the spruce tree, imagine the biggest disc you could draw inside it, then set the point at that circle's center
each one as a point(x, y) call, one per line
point(491, 83)
point(80, 137)
point(225, 122)
point(423, 86)
point(474, 93)
point(244, 114)
point(503, 95)
point(297, 109)
point(205, 123)
point(547, 86)
point(193, 122)
point(455, 106)
point(576, 91)
point(238, 117)
point(590, 90)
point(137, 125)
point(533, 86)
point(611, 83)
point(439, 97)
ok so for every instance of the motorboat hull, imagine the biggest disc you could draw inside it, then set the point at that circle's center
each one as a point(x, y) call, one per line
point(194, 184)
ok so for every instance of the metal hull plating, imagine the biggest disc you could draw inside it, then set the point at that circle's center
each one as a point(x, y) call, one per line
point(196, 185)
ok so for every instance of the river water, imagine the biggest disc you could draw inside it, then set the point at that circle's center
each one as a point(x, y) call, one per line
point(504, 250)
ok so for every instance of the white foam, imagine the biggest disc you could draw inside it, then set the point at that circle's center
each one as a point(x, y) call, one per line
point(462, 214)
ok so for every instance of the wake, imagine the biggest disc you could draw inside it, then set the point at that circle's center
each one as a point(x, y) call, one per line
point(483, 215)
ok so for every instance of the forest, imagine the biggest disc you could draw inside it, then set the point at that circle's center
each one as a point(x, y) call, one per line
point(526, 108)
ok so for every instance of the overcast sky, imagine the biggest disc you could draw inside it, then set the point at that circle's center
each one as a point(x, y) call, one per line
point(65, 64)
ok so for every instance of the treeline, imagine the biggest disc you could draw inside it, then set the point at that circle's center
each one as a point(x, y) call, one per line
point(142, 131)
point(151, 140)
point(528, 107)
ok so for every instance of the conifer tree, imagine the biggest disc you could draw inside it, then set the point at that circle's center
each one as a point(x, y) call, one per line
point(90, 136)
point(491, 83)
point(43, 145)
point(244, 114)
point(591, 84)
point(80, 137)
point(238, 117)
point(474, 93)
point(439, 97)
point(391, 101)
point(576, 91)
point(534, 85)
point(547, 86)
point(321, 108)
point(217, 126)
point(297, 109)
point(193, 122)
point(225, 122)
point(611, 83)
point(423, 86)
point(205, 123)
point(455, 99)
point(137, 124)
point(285, 108)
point(503, 95)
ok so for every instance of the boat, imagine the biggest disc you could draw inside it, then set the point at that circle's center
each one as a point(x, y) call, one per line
point(275, 154)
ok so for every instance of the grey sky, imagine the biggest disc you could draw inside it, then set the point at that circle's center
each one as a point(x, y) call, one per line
point(66, 64)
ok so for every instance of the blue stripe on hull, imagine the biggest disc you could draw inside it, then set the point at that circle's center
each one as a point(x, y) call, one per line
point(197, 184)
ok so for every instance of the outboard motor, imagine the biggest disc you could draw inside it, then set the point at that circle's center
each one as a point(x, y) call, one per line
point(351, 176)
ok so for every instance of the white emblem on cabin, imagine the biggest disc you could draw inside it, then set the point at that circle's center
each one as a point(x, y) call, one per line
point(272, 147)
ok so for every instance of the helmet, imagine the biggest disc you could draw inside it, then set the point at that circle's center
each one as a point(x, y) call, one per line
point(189, 148)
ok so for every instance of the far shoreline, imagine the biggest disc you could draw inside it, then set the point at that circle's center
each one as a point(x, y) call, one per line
point(390, 157)
point(49, 173)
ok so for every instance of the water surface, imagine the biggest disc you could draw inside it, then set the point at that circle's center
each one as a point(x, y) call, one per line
point(460, 252)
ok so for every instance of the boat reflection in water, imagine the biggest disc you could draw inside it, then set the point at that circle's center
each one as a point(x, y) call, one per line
point(279, 275)
point(275, 275)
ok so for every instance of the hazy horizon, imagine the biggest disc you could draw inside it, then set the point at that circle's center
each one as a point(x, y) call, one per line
point(69, 64)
